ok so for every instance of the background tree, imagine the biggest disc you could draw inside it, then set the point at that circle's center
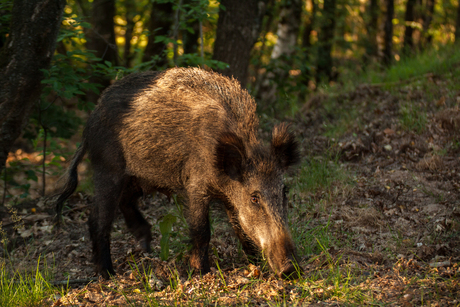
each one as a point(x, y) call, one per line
point(101, 39)
point(28, 50)
point(457, 25)
point(325, 41)
point(160, 24)
point(388, 36)
point(237, 31)
point(372, 29)
point(408, 20)
point(427, 17)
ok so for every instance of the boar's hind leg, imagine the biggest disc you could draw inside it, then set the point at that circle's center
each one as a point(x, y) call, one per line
point(108, 188)
point(200, 232)
point(136, 223)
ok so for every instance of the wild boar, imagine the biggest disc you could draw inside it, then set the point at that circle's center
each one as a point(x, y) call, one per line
point(191, 132)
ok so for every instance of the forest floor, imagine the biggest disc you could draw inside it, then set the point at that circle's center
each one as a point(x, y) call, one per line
point(374, 211)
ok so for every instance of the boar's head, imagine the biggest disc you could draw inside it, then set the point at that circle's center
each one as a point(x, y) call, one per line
point(255, 196)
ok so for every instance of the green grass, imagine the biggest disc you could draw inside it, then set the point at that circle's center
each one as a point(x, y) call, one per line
point(25, 288)
point(441, 60)
point(413, 118)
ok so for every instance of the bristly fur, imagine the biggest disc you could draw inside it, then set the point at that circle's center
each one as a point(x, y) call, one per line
point(191, 132)
point(284, 146)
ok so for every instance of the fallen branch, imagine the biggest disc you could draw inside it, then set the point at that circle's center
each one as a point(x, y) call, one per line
point(41, 219)
point(73, 281)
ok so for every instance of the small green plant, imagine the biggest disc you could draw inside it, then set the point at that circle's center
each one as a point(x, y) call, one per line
point(165, 230)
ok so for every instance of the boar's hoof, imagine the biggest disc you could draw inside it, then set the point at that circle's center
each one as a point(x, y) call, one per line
point(145, 244)
point(106, 274)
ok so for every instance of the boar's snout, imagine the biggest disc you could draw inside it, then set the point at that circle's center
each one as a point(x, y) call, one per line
point(289, 270)
point(282, 258)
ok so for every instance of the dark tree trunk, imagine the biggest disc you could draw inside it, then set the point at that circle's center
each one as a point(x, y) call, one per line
point(427, 19)
point(190, 40)
point(372, 29)
point(101, 39)
point(325, 41)
point(237, 31)
point(29, 49)
point(102, 36)
point(457, 25)
point(388, 37)
point(161, 20)
point(409, 19)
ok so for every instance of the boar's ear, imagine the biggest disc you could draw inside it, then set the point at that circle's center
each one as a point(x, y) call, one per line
point(284, 147)
point(230, 155)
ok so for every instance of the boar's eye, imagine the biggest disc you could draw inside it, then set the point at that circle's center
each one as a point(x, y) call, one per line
point(255, 200)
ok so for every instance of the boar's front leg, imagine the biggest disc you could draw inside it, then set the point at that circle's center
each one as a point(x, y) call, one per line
point(200, 231)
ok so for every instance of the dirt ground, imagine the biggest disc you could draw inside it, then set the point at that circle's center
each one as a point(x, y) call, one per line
point(395, 224)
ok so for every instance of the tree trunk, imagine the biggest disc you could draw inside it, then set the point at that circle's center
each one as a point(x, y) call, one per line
point(101, 39)
point(237, 31)
point(409, 19)
point(388, 37)
point(457, 25)
point(287, 33)
point(288, 29)
point(372, 29)
point(427, 19)
point(161, 20)
point(325, 41)
point(28, 50)
point(102, 36)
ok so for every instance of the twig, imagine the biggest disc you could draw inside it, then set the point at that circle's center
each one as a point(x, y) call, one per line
point(44, 218)
point(73, 281)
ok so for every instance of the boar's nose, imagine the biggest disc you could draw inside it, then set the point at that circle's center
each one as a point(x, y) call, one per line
point(289, 271)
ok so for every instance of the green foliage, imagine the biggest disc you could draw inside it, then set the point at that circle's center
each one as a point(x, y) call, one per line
point(5, 18)
point(165, 230)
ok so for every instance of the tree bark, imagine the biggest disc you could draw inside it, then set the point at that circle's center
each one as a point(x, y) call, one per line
point(388, 38)
point(409, 18)
point(287, 33)
point(102, 36)
point(372, 29)
point(161, 20)
point(101, 39)
point(238, 28)
point(457, 25)
point(30, 46)
point(427, 19)
point(325, 41)
point(288, 29)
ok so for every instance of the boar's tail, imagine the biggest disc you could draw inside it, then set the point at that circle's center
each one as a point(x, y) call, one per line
point(71, 180)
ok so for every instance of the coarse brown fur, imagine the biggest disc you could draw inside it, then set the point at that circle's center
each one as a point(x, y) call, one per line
point(192, 132)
